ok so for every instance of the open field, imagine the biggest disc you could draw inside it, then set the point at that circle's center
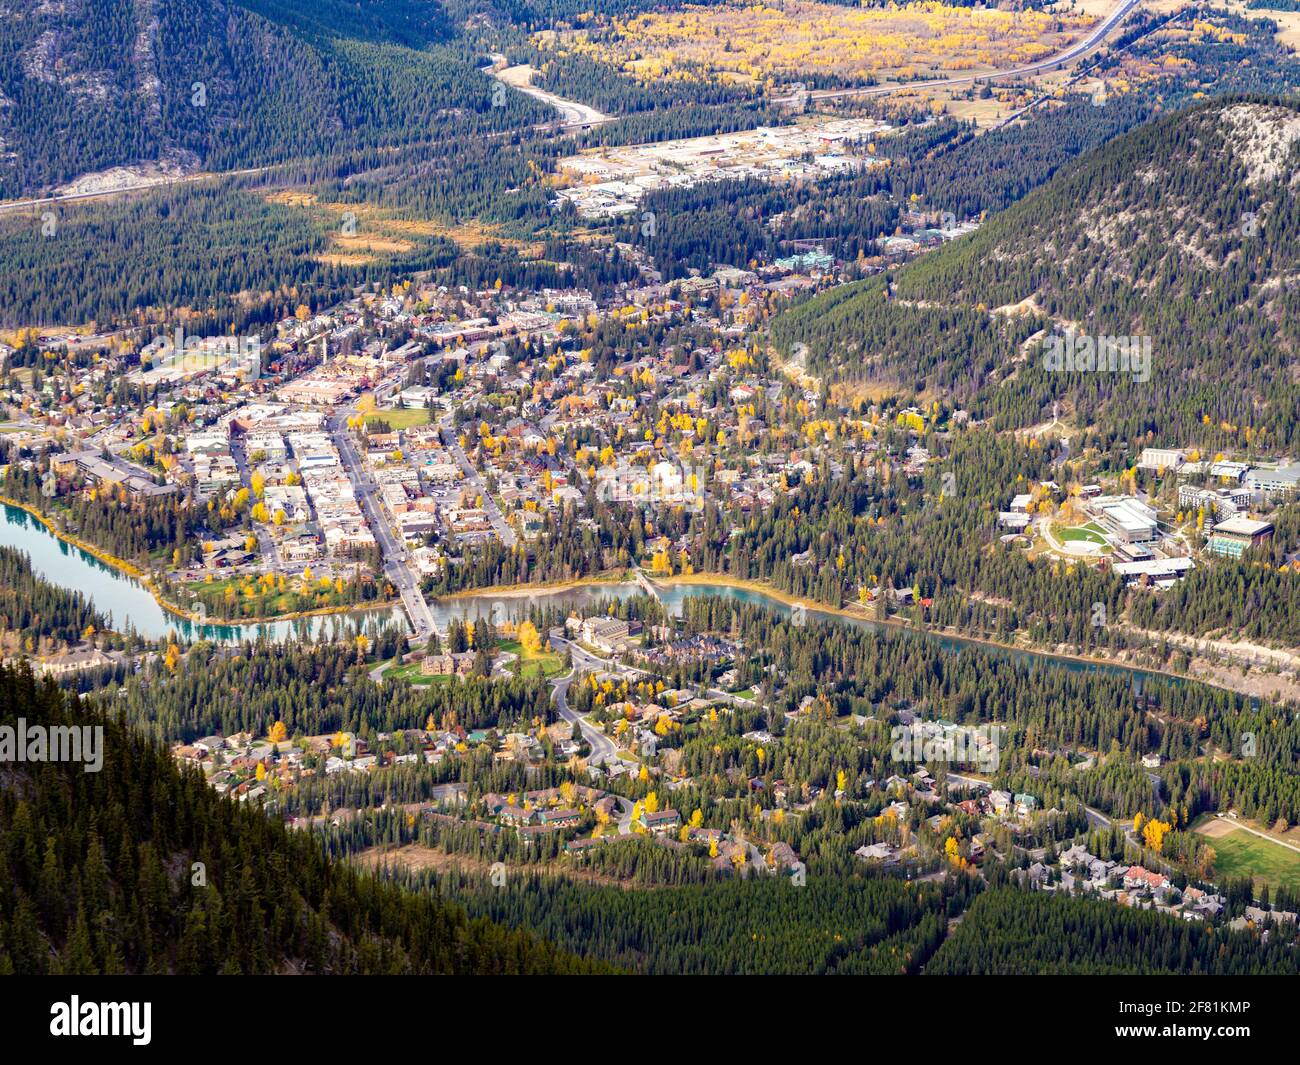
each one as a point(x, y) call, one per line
point(1288, 22)
point(1089, 533)
point(1239, 853)
point(542, 663)
point(757, 42)
point(361, 233)
point(410, 672)
point(401, 417)
point(416, 856)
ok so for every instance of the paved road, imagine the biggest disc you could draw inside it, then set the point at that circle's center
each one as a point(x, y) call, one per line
point(183, 179)
point(572, 113)
point(602, 747)
point(1075, 51)
point(265, 541)
point(499, 523)
point(1095, 817)
point(391, 548)
point(590, 662)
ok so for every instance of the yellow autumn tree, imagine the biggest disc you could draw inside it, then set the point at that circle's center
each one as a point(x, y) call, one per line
point(529, 638)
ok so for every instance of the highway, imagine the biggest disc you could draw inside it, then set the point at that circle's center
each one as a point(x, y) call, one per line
point(391, 548)
point(573, 115)
point(1076, 51)
point(98, 194)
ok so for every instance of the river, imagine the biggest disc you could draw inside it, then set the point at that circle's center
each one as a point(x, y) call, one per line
point(127, 603)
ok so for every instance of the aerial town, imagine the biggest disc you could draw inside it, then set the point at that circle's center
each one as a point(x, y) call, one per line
point(730, 488)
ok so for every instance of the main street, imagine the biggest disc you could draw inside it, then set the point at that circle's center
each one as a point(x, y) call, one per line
point(391, 547)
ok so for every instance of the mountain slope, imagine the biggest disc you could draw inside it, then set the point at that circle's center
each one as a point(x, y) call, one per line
point(413, 23)
point(98, 875)
point(87, 85)
point(1184, 230)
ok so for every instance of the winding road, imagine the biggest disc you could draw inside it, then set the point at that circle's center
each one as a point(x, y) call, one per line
point(1076, 51)
point(602, 747)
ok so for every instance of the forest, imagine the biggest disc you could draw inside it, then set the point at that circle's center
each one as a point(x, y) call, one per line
point(33, 611)
point(1203, 310)
point(142, 868)
point(1009, 931)
point(314, 688)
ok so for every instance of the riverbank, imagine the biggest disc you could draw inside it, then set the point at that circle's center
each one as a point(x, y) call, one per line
point(129, 569)
point(855, 612)
point(517, 591)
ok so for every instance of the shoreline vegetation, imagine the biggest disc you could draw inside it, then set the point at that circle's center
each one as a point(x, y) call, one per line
point(130, 569)
point(613, 578)
point(520, 591)
point(857, 612)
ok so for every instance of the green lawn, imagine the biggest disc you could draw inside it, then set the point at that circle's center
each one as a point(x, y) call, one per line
point(1241, 854)
point(402, 418)
point(1090, 532)
point(411, 672)
point(544, 663)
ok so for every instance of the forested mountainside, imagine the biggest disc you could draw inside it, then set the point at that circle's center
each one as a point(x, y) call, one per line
point(872, 927)
point(85, 86)
point(34, 612)
point(1184, 230)
point(410, 22)
point(98, 874)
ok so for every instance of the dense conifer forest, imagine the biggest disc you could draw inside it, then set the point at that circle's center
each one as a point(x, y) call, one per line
point(1151, 235)
point(142, 868)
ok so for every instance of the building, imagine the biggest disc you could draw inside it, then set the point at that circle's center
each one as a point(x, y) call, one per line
point(605, 634)
point(75, 661)
point(885, 853)
point(1160, 571)
point(1222, 503)
point(661, 821)
point(1281, 482)
point(1233, 537)
point(110, 472)
point(559, 818)
point(460, 663)
point(1161, 458)
point(1126, 518)
point(1229, 471)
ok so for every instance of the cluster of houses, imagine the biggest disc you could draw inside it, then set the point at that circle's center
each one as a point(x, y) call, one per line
point(245, 766)
point(1079, 871)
